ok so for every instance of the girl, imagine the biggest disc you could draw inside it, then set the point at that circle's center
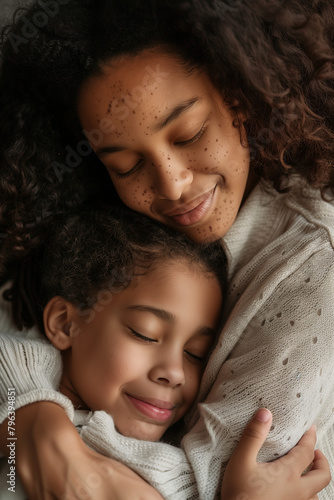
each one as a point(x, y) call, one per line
point(214, 118)
point(139, 280)
point(135, 308)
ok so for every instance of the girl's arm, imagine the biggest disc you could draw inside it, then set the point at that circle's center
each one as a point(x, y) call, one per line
point(283, 479)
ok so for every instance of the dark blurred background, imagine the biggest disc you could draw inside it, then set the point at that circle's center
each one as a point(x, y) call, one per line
point(7, 8)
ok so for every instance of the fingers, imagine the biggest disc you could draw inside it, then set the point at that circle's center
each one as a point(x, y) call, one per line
point(319, 476)
point(253, 437)
point(320, 462)
point(302, 455)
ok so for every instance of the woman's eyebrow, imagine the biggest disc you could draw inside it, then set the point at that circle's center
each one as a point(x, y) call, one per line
point(176, 112)
point(109, 149)
point(171, 116)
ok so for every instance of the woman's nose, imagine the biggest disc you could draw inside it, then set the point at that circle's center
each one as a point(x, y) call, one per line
point(171, 178)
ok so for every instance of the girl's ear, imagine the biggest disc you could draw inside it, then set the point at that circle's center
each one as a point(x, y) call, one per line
point(58, 321)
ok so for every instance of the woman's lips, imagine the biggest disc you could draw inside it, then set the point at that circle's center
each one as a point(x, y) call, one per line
point(188, 217)
point(151, 410)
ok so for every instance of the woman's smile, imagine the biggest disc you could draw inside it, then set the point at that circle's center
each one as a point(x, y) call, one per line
point(193, 212)
point(178, 158)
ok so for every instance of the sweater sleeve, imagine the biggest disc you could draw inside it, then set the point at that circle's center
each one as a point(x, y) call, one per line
point(32, 369)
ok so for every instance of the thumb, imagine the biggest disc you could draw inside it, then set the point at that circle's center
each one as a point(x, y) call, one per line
point(253, 437)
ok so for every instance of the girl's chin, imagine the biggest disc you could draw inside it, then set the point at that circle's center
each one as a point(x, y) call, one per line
point(142, 431)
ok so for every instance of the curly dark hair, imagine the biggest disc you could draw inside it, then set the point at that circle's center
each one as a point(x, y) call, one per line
point(271, 59)
point(88, 256)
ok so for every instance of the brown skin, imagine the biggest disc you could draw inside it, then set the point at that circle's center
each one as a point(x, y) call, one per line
point(163, 164)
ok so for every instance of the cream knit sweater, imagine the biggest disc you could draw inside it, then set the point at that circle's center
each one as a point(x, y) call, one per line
point(276, 350)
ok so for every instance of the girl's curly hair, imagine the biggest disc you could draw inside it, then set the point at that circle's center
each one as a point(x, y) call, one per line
point(90, 255)
point(271, 59)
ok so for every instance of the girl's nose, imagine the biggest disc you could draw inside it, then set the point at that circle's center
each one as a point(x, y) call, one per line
point(168, 371)
point(171, 178)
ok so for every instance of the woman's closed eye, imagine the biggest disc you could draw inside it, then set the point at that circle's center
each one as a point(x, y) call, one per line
point(123, 175)
point(136, 167)
point(193, 139)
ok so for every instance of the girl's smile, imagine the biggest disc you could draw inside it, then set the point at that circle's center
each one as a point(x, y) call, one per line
point(142, 356)
point(159, 411)
point(172, 149)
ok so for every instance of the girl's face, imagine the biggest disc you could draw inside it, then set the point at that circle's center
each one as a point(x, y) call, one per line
point(141, 356)
point(168, 142)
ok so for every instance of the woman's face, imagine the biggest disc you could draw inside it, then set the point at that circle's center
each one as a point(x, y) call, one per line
point(168, 143)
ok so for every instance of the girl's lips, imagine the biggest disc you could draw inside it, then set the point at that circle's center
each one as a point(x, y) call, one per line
point(150, 410)
point(196, 214)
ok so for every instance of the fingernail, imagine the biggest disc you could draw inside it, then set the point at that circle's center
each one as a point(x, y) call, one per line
point(263, 415)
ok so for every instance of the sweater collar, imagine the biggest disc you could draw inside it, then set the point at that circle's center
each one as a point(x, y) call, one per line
point(254, 226)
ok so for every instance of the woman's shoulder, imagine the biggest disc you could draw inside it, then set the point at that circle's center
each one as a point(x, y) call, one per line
point(300, 200)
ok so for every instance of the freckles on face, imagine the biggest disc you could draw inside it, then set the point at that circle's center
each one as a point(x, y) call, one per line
point(136, 196)
point(171, 143)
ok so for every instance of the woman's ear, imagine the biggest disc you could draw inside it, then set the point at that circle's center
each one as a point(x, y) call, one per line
point(58, 323)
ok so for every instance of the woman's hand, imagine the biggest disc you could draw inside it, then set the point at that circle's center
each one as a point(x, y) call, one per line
point(246, 479)
point(55, 464)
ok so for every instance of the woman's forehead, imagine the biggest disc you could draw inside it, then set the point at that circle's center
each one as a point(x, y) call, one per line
point(133, 80)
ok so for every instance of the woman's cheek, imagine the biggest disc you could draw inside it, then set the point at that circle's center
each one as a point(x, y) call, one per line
point(135, 193)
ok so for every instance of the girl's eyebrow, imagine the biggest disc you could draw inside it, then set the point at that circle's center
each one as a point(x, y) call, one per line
point(160, 313)
point(168, 317)
point(176, 112)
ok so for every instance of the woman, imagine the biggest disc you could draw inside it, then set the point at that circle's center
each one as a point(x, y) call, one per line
point(216, 120)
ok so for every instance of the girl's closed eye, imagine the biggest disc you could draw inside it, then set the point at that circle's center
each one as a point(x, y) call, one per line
point(196, 358)
point(140, 337)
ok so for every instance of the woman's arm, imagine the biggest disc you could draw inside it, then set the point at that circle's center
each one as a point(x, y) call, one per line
point(51, 458)
point(280, 350)
point(30, 371)
point(54, 463)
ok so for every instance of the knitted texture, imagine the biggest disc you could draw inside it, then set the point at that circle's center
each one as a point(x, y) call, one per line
point(276, 349)
point(29, 364)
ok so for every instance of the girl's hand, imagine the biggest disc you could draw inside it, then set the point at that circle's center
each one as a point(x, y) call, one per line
point(55, 464)
point(246, 479)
